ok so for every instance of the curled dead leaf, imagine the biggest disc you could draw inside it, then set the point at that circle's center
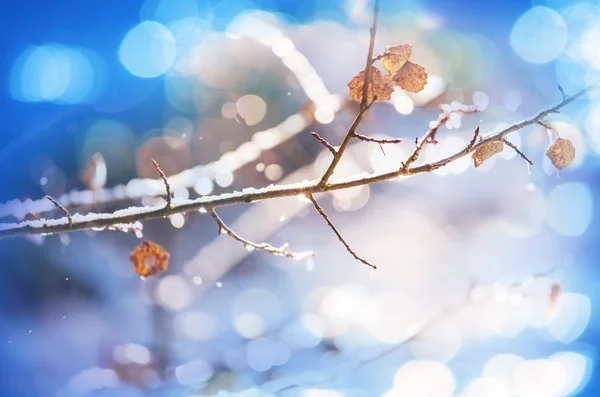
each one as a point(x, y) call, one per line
point(395, 57)
point(149, 259)
point(486, 151)
point(411, 77)
point(561, 153)
point(379, 86)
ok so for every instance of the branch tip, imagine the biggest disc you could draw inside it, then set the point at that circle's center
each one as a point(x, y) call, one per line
point(164, 178)
point(323, 214)
point(562, 92)
point(323, 142)
point(63, 209)
point(516, 149)
point(281, 251)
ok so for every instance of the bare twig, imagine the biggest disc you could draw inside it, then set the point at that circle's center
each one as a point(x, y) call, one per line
point(474, 140)
point(548, 127)
point(82, 222)
point(429, 137)
point(364, 104)
point(376, 140)
point(337, 233)
point(562, 92)
point(63, 209)
point(323, 142)
point(164, 178)
point(516, 149)
point(281, 251)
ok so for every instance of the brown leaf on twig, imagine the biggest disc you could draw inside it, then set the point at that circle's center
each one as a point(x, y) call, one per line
point(379, 86)
point(561, 153)
point(395, 57)
point(411, 77)
point(486, 151)
point(149, 259)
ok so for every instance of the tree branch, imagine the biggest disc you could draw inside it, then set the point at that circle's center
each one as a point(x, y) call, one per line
point(63, 209)
point(516, 149)
point(164, 178)
point(337, 233)
point(249, 195)
point(281, 251)
point(364, 104)
point(377, 140)
point(429, 136)
point(323, 142)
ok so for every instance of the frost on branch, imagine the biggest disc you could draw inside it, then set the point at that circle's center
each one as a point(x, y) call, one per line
point(561, 153)
point(149, 259)
point(486, 151)
point(379, 86)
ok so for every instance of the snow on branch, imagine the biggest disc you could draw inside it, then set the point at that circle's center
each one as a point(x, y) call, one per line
point(249, 195)
point(368, 87)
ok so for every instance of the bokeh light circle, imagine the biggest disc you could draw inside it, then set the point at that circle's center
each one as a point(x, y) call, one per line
point(54, 73)
point(539, 35)
point(148, 50)
point(569, 209)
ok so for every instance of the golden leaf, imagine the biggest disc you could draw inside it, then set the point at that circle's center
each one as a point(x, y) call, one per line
point(486, 151)
point(379, 86)
point(411, 77)
point(561, 153)
point(396, 57)
point(149, 259)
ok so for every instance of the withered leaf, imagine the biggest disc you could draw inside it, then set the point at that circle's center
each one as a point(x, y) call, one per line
point(486, 151)
point(379, 86)
point(396, 57)
point(411, 77)
point(561, 153)
point(149, 259)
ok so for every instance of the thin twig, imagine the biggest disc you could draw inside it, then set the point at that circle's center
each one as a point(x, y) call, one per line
point(337, 233)
point(284, 250)
point(548, 127)
point(376, 140)
point(164, 178)
point(83, 222)
point(562, 92)
point(63, 209)
point(474, 140)
point(323, 142)
point(516, 149)
point(429, 137)
point(364, 104)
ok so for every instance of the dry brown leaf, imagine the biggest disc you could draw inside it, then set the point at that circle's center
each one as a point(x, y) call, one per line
point(411, 77)
point(561, 153)
point(379, 86)
point(149, 259)
point(486, 151)
point(396, 57)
